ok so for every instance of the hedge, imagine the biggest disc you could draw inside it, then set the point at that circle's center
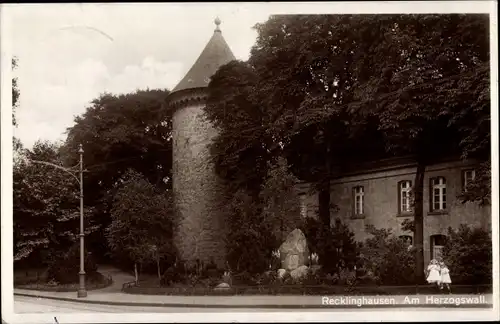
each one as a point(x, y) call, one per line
point(301, 290)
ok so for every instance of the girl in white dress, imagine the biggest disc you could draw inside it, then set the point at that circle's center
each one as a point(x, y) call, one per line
point(445, 276)
point(433, 275)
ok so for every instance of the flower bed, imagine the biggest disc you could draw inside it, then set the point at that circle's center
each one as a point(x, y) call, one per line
point(96, 281)
point(301, 290)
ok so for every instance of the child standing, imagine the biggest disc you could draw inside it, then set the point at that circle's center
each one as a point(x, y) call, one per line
point(445, 276)
point(433, 275)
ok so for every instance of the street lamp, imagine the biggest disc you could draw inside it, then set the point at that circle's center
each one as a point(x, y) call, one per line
point(82, 291)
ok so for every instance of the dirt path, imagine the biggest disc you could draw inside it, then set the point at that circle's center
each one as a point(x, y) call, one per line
point(119, 278)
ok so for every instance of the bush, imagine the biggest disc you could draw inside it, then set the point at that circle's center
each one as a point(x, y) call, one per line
point(196, 274)
point(64, 267)
point(245, 278)
point(171, 276)
point(336, 248)
point(468, 255)
point(250, 241)
point(386, 259)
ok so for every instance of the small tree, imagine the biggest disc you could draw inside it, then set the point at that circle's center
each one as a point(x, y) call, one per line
point(250, 241)
point(468, 255)
point(280, 200)
point(141, 227)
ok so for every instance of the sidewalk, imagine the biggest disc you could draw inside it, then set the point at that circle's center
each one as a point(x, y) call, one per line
point(259, 301)
point(113, 295)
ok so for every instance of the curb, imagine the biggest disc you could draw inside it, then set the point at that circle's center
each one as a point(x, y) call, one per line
point(264, 306)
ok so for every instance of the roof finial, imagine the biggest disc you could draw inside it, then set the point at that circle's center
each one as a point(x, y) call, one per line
point(217, 23)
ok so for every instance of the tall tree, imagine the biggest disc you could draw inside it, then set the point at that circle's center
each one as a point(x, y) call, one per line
point(281, 102)
point(142, 224)
point(241, 149)
point(410, 76)
point(302, 62)
point(121, 132)
point(46, 204)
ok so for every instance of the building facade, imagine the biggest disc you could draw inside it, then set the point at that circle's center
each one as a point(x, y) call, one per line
point(381, 196)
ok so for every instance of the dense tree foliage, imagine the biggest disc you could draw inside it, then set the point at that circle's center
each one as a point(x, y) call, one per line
point(241, 150)
point(280, 200)
point(336, 247)
point(121, 132)
point(468, 255)
point(46, 204)
point(428, 85)
point(142, 223)
point(386, 259)
point(327, 90)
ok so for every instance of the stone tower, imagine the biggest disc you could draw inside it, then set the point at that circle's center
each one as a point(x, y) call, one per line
point(200, 232)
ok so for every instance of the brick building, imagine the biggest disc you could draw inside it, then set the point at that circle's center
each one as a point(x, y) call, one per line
point(378, 194)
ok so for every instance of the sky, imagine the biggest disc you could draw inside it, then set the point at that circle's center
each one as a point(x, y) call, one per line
point(68, 54)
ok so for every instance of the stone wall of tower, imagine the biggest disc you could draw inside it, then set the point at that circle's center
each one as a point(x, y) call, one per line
point(200, 233)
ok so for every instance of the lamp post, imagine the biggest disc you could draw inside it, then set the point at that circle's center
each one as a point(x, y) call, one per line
point(82, 291)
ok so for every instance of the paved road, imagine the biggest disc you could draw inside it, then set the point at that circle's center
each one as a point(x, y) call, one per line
point(39, 305)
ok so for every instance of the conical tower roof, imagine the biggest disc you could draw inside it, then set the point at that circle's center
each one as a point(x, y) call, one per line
point(215, 54)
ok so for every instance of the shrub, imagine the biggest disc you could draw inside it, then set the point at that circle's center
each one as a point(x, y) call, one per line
point(386, 259)
point(468, 255)
point(336, 248)
point(64, 267)
point(171, 276)
point(268, 278)
point(313, 278)
point(250, 241)
point(245, 278)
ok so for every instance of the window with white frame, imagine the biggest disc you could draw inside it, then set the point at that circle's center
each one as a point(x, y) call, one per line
point(405, 196)
point(359, 199)
point(438, 192)
point(468, 176)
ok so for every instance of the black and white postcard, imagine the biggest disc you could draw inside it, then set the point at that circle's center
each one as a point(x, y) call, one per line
point(221, 162)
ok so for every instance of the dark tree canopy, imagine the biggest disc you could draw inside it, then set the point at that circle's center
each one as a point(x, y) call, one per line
point(46, 204)
point(242, 147)
point(118, 133)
